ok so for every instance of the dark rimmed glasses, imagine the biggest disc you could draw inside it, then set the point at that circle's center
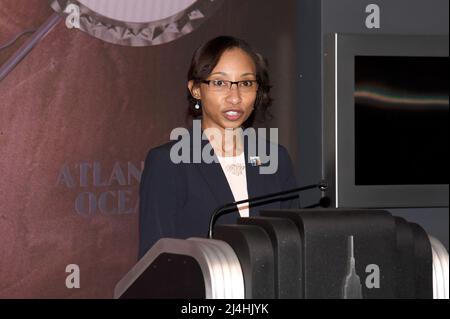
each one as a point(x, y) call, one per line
point(245, 86)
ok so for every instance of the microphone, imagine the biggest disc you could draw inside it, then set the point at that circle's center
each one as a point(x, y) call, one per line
point(230, 207)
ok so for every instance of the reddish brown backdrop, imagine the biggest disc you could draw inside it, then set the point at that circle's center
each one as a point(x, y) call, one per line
point(77, 117)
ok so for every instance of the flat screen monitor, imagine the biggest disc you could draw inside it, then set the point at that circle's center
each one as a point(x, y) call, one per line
point(386, 120)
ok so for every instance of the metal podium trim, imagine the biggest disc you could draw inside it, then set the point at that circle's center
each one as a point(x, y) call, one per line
point(218, 262)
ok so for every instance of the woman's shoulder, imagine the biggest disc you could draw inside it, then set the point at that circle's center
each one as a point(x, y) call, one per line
point(159, 154)
point(284, 160)
point(163, 148)
point(281, 149)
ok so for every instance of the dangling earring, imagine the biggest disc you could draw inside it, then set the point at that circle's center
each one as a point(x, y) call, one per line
point(197, 105)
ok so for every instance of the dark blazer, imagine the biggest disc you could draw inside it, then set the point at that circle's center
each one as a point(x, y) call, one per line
point(177, 200)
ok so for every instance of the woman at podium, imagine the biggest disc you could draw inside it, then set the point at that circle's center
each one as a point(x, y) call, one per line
point(221, 158)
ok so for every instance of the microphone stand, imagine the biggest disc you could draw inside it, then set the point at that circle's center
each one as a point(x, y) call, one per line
point(227, 208)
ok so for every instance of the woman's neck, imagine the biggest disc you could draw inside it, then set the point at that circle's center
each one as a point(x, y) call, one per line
point(225, 142)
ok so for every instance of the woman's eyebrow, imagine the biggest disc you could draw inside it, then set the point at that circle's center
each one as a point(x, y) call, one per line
point(224, 73)
point(221, 73)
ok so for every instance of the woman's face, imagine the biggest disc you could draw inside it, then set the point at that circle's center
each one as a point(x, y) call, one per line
point(228, 108)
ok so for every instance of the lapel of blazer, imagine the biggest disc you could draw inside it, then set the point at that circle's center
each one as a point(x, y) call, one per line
point(217, 182)
point(214, 177)
point(255, 185)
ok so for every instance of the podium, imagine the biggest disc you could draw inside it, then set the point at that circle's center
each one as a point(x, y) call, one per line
point(296, 254)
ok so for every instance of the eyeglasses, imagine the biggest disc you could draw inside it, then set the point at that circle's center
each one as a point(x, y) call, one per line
point(224, 86)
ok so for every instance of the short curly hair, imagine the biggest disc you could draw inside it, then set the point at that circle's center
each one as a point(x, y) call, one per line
point(207, 56)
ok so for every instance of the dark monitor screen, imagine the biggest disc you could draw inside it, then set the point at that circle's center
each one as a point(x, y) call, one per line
point(401, 120)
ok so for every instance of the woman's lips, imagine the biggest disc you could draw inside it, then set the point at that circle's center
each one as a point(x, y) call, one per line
point(233, 115)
